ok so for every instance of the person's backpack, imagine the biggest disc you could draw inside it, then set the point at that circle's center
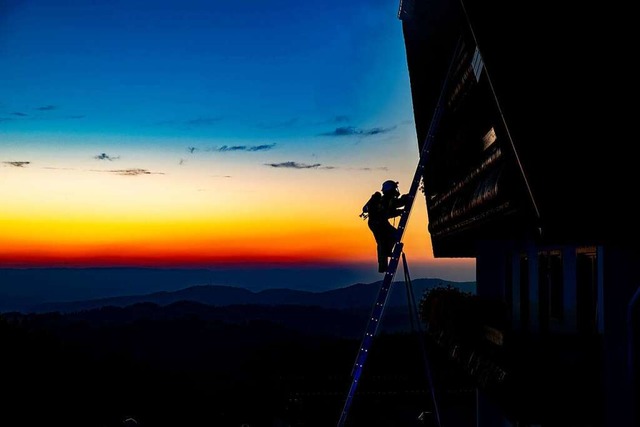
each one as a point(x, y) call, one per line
point(373, 205)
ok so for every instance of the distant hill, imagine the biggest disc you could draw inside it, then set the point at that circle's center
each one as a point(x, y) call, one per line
point(356, 296)
point(21, 289)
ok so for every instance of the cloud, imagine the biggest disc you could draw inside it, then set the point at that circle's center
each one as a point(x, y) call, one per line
point(379, 168)
point(46, 108)
point(133, 172)
point(294, 165)
point(343, 131)
point(17, 164)
point(225, 148)
point(262, 147)
point(19, 114)
point(230, 148)
point(297, 165)
point(377, 131)
point(105, 156)
point(351, 131)
point(129, 172)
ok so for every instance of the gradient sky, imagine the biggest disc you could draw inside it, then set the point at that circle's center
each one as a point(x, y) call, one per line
point(155, 132)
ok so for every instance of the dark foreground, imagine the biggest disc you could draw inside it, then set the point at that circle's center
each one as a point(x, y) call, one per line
point(193, 365)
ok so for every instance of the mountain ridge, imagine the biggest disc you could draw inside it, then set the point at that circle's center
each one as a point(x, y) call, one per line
point(357, 296)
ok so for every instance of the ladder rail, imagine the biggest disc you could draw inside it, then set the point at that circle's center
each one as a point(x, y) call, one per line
point(380, 303)
point(415, 319)
point(370, 332)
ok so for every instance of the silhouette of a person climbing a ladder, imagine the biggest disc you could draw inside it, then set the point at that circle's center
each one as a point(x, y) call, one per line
point(379, 209)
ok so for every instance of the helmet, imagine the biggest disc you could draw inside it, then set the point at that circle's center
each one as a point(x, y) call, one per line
point(389, 185)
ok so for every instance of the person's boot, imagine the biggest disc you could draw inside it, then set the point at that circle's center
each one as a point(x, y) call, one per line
point(382, 266)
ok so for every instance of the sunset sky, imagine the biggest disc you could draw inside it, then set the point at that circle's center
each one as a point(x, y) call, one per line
point(202, 132)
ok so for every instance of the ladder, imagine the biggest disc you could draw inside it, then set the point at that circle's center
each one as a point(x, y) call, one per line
point(381, 300)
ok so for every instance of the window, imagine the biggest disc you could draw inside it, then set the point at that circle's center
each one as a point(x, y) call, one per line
point(489, 138)
point(477, 64)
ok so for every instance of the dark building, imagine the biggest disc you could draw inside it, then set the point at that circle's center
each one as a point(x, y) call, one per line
point(531, 171)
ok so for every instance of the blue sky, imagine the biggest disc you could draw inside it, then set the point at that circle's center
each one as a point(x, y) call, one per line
point(256, 70)
point(132, 128)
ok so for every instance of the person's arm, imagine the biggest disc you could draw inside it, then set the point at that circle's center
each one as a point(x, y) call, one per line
point(400, 202)
point(398, 206)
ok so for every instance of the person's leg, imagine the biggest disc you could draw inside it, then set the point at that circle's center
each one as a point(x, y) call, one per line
point(386, 238)
point(383, 261)
point(390, 235)
point(378, 234)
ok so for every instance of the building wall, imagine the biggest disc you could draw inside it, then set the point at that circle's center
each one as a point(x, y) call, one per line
point(525, 266)
point(506, 269)
point(622, 279)
point(569, 294)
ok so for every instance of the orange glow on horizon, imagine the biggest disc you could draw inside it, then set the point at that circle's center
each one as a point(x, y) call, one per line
point(80, 217)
